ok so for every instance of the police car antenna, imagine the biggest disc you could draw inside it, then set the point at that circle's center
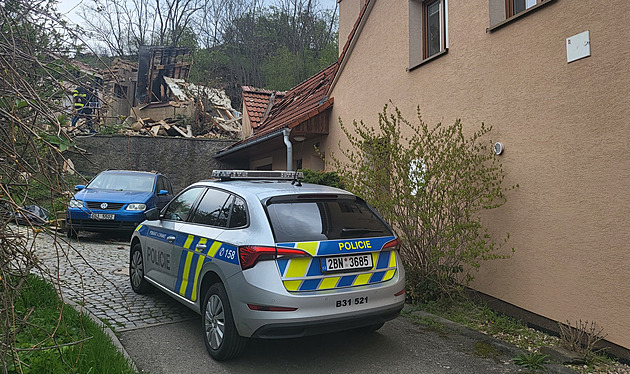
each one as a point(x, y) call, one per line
point(295, 179)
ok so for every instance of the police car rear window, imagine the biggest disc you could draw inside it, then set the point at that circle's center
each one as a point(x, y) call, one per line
point(313, 220)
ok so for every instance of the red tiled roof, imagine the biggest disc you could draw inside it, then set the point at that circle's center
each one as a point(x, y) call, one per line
point(302, 102)
point(256, 101)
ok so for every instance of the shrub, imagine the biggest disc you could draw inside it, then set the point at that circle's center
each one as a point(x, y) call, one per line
point(431, 184)
point(581, 338)
point(331, 178)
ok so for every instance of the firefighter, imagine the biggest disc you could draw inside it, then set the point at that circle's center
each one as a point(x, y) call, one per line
point(82, 98)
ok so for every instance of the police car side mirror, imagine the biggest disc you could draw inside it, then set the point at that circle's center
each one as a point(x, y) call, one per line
point(152, 214)
point(162, 192)
point(79, 187)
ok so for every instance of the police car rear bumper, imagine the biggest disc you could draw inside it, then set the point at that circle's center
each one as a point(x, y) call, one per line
point(301, 329)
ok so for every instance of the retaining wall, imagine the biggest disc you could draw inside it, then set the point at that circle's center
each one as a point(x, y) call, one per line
point(182, 160)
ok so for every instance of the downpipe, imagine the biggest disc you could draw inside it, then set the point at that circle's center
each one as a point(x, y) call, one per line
point(287, 142)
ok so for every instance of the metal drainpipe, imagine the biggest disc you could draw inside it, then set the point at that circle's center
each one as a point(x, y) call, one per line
point(287, 142)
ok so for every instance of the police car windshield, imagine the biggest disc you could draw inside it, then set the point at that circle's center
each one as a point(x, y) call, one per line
point(123, 182)
point(312, 220)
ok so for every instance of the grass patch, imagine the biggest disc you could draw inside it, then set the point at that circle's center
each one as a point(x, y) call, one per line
point(58, 339)
point(481, 318)
point(532, 361)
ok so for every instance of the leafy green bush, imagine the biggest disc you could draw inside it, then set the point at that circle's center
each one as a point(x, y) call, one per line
point(431, 184)
point(331, 178)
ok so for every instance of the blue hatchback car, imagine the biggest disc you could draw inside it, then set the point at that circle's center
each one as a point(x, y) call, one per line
point(115, 201)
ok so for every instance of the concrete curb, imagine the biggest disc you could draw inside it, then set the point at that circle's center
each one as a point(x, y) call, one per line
point(106, 329)
point(507, 349)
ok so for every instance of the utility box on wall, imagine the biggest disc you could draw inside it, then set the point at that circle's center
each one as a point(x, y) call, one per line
point(578, 46)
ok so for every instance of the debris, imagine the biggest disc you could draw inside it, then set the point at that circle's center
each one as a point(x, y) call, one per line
point(151, 97)
point(31, 215)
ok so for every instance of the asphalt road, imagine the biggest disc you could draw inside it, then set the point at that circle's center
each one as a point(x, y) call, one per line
point(401, 346)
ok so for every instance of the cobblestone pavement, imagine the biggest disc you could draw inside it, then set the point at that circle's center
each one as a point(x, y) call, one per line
point(94, 272)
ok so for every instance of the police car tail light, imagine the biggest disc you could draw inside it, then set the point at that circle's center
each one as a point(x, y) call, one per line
point(392, 245)
point(250, 255)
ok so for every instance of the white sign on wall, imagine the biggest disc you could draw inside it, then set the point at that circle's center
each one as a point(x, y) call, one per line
point(578, 46)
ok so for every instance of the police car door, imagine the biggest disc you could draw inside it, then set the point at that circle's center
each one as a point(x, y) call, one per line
point(161, 263)
point(200, 246)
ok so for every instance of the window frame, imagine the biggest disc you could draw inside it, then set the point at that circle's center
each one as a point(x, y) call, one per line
point(425, 28)
point(499, 12)
point(419, 35)
point(509, 8)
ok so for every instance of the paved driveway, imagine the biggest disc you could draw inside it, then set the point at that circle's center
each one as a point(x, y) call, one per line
point(398, 347)
point(93, 271)
point(162, 336)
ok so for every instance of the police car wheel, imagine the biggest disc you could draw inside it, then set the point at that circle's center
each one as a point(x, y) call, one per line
point(220, 335)
point(136, 270)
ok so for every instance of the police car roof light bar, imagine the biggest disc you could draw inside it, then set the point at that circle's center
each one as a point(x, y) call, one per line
point(225, 175)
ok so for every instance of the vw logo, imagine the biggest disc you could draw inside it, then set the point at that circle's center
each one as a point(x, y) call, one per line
point(104, 206)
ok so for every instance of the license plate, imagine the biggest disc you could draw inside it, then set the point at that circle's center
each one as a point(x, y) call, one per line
point(103, 216)
point(341, 263)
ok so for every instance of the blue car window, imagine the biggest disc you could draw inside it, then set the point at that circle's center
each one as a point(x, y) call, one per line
point(123, 182)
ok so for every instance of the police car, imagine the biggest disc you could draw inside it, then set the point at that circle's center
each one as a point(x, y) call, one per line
point(261, 255)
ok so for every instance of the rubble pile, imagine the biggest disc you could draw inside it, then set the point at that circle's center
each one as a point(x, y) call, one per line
point(151, 97)
point(175, 127)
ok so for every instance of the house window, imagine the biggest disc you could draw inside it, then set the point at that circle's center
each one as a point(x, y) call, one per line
point(513, 7)
point(427, 30)
point(503, 12)
point(432, 35)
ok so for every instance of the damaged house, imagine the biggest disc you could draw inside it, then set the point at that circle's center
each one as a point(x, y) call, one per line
point(154, 98)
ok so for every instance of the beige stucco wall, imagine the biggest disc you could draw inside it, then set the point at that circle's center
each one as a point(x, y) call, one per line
point(348, 12)
point(565, 130)
point(301, 150)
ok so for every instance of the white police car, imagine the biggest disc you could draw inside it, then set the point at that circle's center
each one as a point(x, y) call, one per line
point(260, 256)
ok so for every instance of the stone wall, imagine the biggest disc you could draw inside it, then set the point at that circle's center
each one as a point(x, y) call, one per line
point(182, 160)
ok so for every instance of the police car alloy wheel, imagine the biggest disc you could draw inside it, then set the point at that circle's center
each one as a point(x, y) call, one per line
point(136, 271)
point(220, 335)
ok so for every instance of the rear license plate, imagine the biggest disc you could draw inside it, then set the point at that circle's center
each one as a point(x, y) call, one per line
point(103, 216)
point(341, 263)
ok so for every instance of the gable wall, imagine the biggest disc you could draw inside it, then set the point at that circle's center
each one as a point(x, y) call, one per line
point(564, 127)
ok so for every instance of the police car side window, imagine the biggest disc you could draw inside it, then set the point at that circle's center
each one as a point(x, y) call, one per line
point(238, 217)
point(214, 208)
point(180, 207)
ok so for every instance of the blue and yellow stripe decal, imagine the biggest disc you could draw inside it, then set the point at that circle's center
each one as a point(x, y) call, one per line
point(193, 257)
point(305, 274)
